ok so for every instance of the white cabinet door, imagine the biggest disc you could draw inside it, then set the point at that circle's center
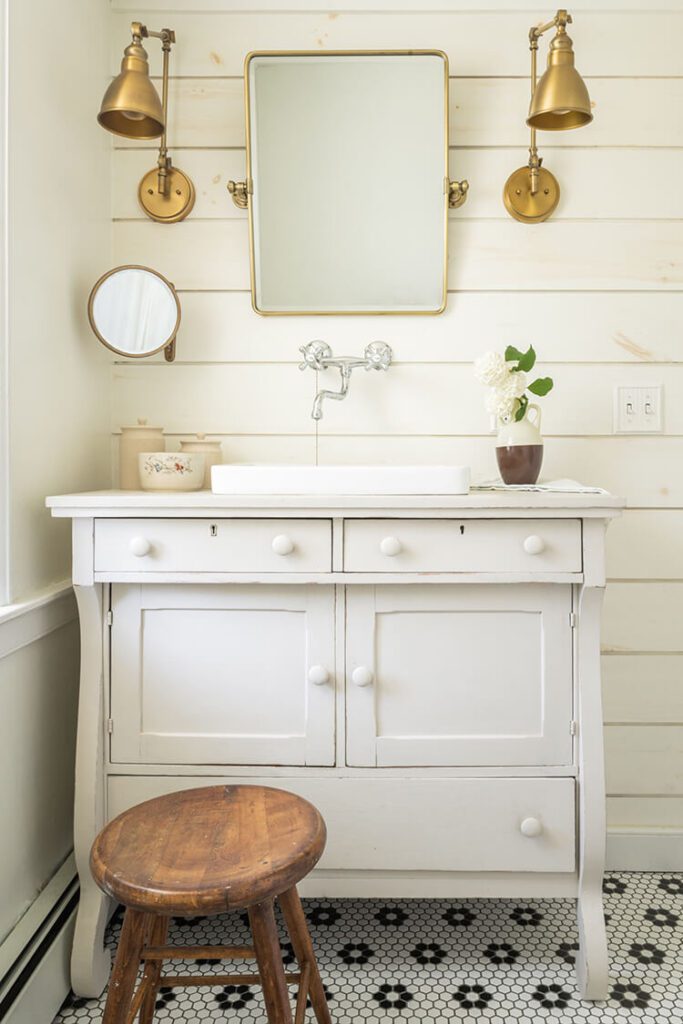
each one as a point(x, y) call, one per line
point(459, 675)
point(222, 674)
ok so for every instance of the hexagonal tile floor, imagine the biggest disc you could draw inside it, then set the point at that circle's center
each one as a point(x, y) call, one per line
point(442, 960)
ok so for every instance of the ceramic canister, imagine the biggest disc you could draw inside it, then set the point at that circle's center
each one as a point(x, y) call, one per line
point(519, 448)
point(135, 441)
point(211, 450)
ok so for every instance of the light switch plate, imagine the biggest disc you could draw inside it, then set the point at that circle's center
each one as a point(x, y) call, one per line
point(638, 410)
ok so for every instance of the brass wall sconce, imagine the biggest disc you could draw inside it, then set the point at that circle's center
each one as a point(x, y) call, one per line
point(131, 107)
point(558, 102)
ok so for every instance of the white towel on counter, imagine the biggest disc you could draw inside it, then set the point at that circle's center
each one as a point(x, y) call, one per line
point(560, 486)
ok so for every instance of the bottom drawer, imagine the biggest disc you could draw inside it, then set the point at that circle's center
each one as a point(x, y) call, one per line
point(417, 824)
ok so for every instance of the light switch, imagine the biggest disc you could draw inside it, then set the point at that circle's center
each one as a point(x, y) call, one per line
point(638, 410)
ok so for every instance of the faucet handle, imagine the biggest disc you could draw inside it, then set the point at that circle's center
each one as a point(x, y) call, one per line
point(315, 353)
point(378, 356)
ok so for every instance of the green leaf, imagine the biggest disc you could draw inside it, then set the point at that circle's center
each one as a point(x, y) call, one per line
point(512, 353)
point(523, 402)
point(527, 361)
point(541, 386)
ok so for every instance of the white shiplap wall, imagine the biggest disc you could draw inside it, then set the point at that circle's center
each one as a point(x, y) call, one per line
point(598, 290)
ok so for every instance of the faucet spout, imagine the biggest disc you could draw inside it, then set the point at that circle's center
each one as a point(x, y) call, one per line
point(345, 372)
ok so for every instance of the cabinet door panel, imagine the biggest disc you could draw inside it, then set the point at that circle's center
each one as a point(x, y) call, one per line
point(219, 675)
point(462, 675)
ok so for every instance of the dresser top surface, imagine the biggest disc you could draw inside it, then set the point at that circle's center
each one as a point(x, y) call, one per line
point(484, 502)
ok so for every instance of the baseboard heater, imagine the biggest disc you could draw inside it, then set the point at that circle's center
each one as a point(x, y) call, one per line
point(35, 982)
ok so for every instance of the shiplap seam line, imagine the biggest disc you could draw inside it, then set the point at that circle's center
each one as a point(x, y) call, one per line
point(650, 654)
point(454, 148)
point(461, 291)
point(622, 363)
point(468, 220)
point(451, 78)
point(645, 723)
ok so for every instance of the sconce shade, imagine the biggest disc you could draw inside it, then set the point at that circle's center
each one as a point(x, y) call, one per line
point(560, 100)
point(131, 106)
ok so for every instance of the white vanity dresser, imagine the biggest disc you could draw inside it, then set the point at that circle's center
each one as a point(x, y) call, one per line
point(424, 669)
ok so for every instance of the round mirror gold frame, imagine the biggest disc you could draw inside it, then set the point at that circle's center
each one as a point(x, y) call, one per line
point(168, 345)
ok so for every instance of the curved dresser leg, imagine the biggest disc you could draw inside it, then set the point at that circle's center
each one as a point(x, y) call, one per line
point(592, 961)
point(90, 961)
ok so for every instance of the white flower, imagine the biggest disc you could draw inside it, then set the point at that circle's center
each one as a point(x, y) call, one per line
point(500, 405)
point(515, 385)
point(491, 369)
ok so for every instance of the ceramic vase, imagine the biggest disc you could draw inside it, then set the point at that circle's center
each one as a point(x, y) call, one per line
point(519, 448)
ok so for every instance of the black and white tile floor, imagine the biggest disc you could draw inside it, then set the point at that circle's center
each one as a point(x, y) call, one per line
point(497, 961)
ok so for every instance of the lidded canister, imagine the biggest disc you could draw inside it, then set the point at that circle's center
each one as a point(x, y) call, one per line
point(211, 450)
point(135, 441)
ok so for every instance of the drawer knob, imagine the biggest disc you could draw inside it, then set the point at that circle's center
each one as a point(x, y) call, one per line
point(282, 544)
point(318, 675)
point(534, 545)
point(139, 546)
point(362, 676)
point(391, 546)
point(531, 828)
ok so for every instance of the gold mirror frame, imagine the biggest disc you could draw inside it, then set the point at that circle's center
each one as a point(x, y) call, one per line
point(168, 346)
point(454, 193)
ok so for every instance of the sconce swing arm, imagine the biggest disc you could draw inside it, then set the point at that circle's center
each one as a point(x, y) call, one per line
point(167, 37)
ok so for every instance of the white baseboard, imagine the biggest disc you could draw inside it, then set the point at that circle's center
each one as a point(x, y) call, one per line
point(641, 850)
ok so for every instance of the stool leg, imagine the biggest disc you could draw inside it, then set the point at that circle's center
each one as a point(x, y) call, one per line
point(297, 927)
point(152, 972)
point(269, 959)
point(125, 972)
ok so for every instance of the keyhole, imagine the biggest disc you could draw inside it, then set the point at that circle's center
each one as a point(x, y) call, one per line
point(213, 530)
point(462, 529)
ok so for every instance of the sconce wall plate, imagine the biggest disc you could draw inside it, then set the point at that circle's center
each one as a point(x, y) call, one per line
point(174, 204)
point(531, 207)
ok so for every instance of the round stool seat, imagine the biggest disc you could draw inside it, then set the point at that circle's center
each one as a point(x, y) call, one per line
point(208, 850)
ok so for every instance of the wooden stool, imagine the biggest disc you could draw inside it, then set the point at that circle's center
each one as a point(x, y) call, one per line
point(208, 851)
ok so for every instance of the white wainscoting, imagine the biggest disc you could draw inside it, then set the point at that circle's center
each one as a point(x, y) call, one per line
point(598, 290)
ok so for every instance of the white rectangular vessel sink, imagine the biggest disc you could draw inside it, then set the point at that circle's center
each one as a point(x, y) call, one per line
point(340, 479)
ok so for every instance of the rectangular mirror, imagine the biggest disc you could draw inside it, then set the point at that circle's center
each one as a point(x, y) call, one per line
point(347, 174)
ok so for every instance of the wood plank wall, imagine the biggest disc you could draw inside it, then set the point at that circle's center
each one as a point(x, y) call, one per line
point(598, 290)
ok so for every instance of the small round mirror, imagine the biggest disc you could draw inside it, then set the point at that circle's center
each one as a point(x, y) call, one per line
point(135, 312)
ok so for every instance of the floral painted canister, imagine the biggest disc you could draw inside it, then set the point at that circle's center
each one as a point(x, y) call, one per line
point(134, 441)
point(171, 471)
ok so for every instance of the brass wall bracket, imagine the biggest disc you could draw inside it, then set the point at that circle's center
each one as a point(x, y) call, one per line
point(457, 193)
point(239, 191)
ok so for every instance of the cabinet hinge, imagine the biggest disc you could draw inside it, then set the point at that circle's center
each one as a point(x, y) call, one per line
point(110, 725)
point(573, 727)
point(572, 620)
point(110, 618)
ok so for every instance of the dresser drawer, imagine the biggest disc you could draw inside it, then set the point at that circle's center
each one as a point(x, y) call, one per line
point(218, 545)
point(467, 545)
point(412, 824)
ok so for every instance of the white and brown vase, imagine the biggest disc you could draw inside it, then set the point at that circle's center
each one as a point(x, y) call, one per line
point(519, 448)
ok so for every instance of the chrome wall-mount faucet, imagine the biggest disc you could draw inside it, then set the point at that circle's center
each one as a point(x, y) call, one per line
point(318, 355)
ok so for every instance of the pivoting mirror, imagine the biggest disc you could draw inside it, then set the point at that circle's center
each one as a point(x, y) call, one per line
point(135, 312)
point(347, 181)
